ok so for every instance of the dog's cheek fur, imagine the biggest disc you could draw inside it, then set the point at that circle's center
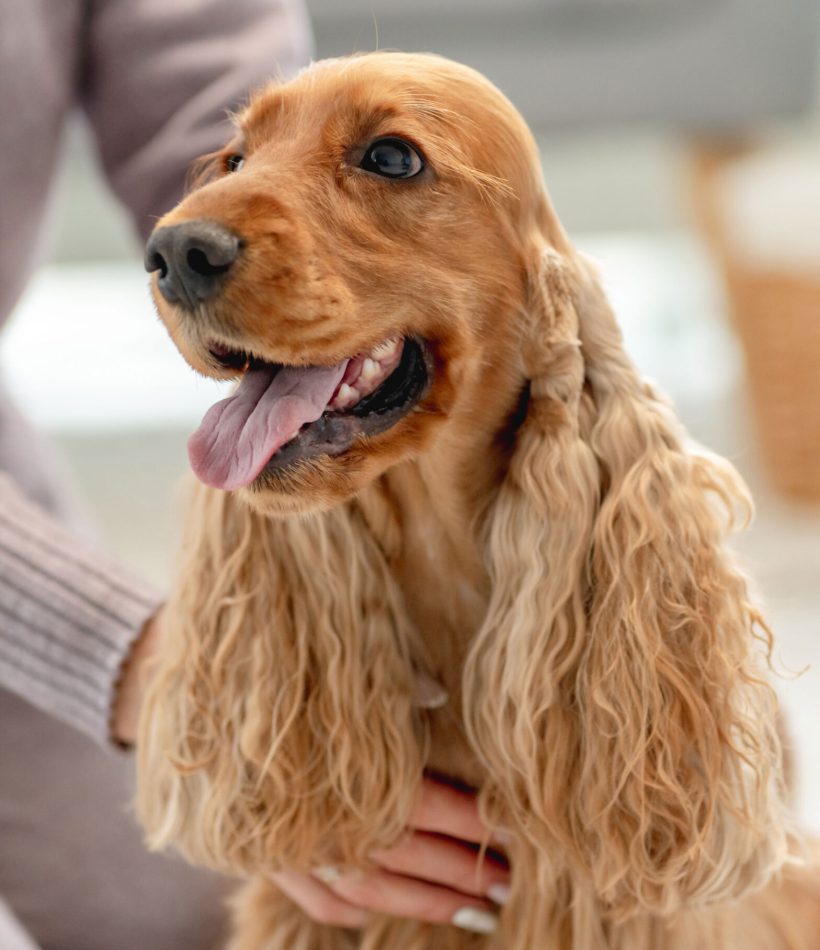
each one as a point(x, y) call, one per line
point(615, 692)
point(280, 717)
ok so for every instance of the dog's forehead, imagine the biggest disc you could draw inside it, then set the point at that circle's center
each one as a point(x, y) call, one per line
point(464, 125)
point(296, 112)
point(358, 94)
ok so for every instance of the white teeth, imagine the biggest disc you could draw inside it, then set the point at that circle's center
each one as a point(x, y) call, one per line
point(384, 350)
point(347, 396)
point(370, 370)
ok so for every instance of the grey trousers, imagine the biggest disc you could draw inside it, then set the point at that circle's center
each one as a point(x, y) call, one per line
point(73, 867)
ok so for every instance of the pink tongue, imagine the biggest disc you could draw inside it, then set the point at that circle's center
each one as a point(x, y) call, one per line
point(239, 435)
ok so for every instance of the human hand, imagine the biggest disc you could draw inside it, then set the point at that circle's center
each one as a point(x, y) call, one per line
point(433, 874)
point(133, 681)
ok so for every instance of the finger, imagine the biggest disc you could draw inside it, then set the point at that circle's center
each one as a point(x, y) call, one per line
point(448, 811)
point(396, 896)
point(318, 901)
point(442, 861)
point(427, 692)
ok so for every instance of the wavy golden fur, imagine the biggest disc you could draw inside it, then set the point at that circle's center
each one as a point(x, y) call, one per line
point(537, 534)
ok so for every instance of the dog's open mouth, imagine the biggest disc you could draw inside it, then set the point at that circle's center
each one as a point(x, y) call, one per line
point(280, 415)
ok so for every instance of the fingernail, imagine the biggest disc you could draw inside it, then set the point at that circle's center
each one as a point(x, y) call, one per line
point(428, 693)
point(328, 873)
point(475, 919)
point(502, 837)
point(499, 893)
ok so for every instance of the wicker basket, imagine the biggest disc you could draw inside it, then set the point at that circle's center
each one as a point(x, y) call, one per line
point(776, 311)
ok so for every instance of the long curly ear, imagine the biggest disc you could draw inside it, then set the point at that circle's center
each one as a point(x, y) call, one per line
point(281, 715)
point(616, 690)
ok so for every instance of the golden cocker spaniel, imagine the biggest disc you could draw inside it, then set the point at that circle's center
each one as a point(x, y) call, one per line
point(439, 459)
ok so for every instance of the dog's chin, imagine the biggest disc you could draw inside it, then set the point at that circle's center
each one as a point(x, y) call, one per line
point(309, 488)
point(319, 484)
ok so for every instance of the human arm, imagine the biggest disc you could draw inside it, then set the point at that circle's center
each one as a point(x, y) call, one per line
point(156, 81)
point(133, 680)
point(160, 79)
point(68, 616)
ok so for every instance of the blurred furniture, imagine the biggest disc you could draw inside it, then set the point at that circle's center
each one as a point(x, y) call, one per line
point(760, 210)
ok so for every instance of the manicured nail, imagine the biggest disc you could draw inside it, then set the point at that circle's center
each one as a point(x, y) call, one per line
point(428, 693)
point(328, 873)
point(499, 893)
point(475, 919)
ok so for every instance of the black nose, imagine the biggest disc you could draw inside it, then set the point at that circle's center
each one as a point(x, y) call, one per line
point(193, 259)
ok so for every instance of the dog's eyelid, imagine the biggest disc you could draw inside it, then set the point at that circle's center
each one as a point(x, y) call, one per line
point(237, 144)
point(405, 137)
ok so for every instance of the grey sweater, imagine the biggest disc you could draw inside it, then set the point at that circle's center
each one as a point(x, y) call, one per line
point(155, 78)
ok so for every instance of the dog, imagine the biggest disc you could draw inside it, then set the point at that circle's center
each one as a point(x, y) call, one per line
point(440, 460)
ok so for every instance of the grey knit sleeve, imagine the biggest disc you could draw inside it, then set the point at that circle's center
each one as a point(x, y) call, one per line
point(68, 616)
point(161, 77)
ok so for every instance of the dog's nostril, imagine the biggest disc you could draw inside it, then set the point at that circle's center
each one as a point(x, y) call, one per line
point(191, 259)
point(157, 262)
point(198, 261)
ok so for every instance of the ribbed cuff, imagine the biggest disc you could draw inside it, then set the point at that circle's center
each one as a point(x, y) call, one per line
point(68, 617)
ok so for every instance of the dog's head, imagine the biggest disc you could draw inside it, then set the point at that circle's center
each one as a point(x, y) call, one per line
point(357, 254)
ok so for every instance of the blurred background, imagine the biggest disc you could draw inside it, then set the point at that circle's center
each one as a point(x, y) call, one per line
point(681, 144)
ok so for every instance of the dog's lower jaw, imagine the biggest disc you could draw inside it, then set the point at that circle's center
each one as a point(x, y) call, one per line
point(310, 488)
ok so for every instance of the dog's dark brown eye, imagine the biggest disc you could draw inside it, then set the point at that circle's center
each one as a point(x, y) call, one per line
point(392, 158)
point(234, 162)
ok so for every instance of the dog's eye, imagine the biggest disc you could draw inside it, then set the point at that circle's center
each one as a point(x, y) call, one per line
point(392, 158)
point(234, 162)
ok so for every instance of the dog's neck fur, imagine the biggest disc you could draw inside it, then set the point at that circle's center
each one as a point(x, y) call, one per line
point(438, 504)
point(439, 565)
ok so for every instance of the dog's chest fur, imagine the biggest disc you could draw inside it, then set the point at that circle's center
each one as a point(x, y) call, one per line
point(444, 587)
